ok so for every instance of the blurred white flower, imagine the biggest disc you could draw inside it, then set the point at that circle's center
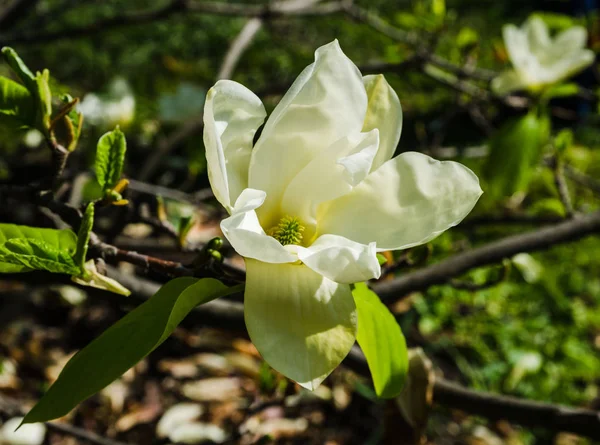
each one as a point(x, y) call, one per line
point(117, 107)
point(33, 138)
point(539, 60)
point(314, 200)
point(30, 434)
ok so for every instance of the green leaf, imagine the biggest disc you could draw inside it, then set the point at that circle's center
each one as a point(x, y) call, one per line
point(110, 156)
point(38, 86)
point(83, 237)
point(19, 67)
point(515, 150)
point(381, 259)
point(561, 90)
point(438, 7)
point(44, 95)
point(382, 342)
point(61, 240)
point(31, 254)
point(556, 21)
point(124, 344)
point(467, 38)
point(16, 104)
point(563, 140)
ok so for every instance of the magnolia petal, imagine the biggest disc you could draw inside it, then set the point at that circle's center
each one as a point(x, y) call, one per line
point(326, 102)
point(573, 64)
point(244, 232)
point(570, 39)
point(408, 201)
point(232, 114)
point(538, 35)
point(507, 82)
point(341, 260)
point(332, 173)
point(93, 278)
point(517, 47)
point(385, 113)
point(302, 323)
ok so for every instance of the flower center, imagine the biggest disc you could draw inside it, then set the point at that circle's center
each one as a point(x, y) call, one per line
point(288, 230)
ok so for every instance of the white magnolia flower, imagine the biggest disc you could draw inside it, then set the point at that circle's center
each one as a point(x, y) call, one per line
point(115, 108)
point(539, 60)
point(315, 198)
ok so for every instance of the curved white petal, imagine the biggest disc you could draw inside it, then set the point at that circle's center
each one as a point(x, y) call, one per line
point(302, 323)
point(341, 260)
point(384, 112)
point(408, 201)
point(326, 102)
point(232, 114)
point(332, 173)
point(570, 39)
point(517, 46)
point(538, 35)
point(244, 232)
point(571, 65)
point(507, 82)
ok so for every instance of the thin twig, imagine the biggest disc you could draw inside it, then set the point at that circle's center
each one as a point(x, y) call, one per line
point(561, 186)
point(238, 46)
point(516, 219)
point(557, 418)
point(115, 254)
point(166, 192)
point(278, 9)
point(582, 179)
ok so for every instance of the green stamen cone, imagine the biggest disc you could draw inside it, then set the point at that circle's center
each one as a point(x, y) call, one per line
point(288, 231)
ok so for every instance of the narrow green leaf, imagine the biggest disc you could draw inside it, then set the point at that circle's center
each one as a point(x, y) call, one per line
point(44, 95)
point(382, 342)
point(61, 240)
point(381, 259)
point(83, 237)
point(110, 156)
point(31, 254)
point(124, 344)
point(561, 90)
point(16, 104)
point(38, 86)
point(19, 67)
point(516, 149)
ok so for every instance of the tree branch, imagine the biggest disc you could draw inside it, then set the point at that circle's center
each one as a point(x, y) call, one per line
point(494, 252)
point(557, 418)
point(581, 179)
point(516, 219)
point(277, 9)
point(195, 198)
point(238, 46)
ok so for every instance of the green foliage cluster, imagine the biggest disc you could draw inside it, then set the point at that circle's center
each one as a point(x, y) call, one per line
point(534, 339)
